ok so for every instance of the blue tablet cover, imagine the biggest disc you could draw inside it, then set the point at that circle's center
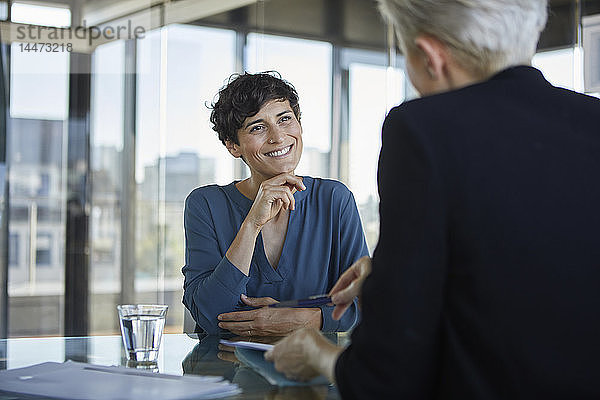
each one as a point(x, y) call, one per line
point(255, 360)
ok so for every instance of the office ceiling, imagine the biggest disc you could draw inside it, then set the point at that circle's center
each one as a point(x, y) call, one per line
point(97, 12)
point(231, 4)
point(346, 22)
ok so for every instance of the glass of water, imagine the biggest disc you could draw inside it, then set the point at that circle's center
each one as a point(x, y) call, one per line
point(141, 328)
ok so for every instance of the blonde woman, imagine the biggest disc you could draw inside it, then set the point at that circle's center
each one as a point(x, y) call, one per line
point(485, 283)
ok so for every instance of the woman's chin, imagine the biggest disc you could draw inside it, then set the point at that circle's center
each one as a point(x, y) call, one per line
point(274, 170)
point(286, 169)
point(283, 171)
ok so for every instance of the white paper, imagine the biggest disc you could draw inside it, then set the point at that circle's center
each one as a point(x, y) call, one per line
point(247, 345)
point(73, 380)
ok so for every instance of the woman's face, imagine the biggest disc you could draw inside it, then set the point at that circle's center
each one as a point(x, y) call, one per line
point(270, 141)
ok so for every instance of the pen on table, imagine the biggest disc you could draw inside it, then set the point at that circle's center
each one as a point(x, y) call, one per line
point(312, 301)
point(123, 371)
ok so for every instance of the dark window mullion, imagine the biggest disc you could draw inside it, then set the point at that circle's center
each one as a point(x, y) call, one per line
point(77, 254)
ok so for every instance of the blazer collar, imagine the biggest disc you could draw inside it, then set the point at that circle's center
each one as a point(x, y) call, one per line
point(521, 72)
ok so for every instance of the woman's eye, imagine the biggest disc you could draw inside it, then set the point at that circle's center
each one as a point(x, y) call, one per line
point(285, 118)
point(256, 128)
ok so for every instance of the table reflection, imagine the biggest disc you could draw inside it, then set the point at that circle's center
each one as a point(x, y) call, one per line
point(209, 357)
point(179, 354)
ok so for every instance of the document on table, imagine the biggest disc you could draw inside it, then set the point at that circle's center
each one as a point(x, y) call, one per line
point(251, 354)
point(247, 345)
point(73, 380)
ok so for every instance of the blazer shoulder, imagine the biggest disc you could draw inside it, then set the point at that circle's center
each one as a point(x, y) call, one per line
point(420, 109)
point(409, 118)
point(580, 100)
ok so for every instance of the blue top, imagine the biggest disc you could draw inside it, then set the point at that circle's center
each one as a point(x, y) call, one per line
point(323, 239)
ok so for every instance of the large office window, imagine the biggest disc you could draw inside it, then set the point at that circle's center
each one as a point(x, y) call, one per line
point(36, 158)
point(148, 123)
point(558, 67)
point(107, 108)
point(307, 65)
point(178, 76)
point(373, 90)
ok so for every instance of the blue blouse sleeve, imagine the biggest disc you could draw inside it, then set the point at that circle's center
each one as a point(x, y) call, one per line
point(212, 283)
point(353, 246)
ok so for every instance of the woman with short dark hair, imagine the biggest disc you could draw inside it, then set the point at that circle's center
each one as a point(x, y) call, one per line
point(274, 236)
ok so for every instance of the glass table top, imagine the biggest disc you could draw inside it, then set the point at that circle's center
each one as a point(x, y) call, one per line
point(179, 354)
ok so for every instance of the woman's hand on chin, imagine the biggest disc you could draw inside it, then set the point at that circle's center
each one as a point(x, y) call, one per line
point(273, 195)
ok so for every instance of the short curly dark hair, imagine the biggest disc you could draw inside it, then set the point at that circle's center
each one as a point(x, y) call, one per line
point(243, 96)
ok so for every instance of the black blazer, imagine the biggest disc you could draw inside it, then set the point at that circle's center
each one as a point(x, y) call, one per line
point(486, 278)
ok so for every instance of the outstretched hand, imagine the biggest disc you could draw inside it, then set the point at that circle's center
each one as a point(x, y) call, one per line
point(349, 286)
point(304, 354)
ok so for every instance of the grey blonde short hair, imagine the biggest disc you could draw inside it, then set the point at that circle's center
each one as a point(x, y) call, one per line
point(484, 36)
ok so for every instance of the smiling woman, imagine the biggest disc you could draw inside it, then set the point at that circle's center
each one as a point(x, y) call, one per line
point(274, 236)
point(271, 142)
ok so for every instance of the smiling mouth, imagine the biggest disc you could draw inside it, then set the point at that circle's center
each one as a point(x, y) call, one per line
point(279, 153)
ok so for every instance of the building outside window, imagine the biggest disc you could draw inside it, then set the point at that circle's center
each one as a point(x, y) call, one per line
point(43, 253)
point(36, 130)
point(13, 250)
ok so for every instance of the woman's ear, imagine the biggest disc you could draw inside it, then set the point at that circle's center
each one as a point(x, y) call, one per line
point(233, 148)
point(436, 56)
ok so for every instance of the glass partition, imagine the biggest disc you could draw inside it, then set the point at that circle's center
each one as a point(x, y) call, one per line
point(177, 151)
point(373, 90)
point(36, 156)
point(147, 241)
point(107, 124)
